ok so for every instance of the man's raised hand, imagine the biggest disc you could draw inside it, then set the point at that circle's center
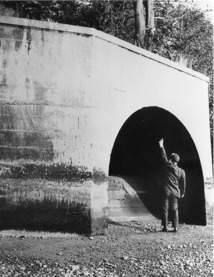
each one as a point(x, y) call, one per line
point(161, 142)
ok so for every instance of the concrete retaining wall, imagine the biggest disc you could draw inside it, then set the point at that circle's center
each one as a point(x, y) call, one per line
point(66, 91)
point(45, 129)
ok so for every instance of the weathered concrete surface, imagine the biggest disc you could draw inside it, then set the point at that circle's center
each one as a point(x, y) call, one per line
point(35, 204)
point(99, 208)
point(44, 104)
point(66, 92)
point(45, 127)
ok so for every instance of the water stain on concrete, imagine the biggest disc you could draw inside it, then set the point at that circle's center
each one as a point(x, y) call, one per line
point(18, 45)
point(21, 138)
point(28, 39)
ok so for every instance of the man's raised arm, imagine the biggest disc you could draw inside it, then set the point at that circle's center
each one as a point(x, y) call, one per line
point(163, 152)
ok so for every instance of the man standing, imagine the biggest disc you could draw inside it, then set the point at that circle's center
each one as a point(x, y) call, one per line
point(173, 187)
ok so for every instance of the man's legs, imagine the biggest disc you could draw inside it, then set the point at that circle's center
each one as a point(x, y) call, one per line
point(165, 207)
point(174, 207)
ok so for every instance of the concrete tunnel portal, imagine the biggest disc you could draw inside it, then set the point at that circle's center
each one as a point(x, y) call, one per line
point(136, 158)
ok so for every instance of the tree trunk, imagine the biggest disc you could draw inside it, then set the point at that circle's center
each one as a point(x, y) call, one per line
point(149, 6)
point(140, 23)
point(144, 19)
point(150, 16)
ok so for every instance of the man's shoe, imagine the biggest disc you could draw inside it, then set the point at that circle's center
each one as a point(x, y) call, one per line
point(164, 229)
point(175, 230)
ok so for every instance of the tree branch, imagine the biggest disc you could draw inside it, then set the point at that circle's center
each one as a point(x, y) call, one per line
point(174, 19)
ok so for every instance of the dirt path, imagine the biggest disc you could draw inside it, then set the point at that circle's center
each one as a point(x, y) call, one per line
point(128, 249)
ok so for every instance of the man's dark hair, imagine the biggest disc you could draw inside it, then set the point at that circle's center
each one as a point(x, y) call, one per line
point(175, 158)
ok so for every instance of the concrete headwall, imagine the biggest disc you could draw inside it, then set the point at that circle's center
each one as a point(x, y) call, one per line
point(66, 91)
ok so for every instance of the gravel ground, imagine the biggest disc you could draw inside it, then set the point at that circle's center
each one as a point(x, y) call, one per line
point(131, 249)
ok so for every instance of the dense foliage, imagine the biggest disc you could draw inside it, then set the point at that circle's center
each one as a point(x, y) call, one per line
point(182, 33)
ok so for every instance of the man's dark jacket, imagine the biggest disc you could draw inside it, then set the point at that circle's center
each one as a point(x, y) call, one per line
point(174, 179)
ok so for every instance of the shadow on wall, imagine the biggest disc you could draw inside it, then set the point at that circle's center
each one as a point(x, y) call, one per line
point(136, 156)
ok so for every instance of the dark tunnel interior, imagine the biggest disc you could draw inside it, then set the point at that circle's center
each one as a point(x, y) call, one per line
point(136, 155)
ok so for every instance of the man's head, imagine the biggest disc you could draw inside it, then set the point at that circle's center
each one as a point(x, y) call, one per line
point(175, 158)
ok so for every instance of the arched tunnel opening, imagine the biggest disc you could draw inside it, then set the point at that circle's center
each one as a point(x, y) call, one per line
point(136, 157)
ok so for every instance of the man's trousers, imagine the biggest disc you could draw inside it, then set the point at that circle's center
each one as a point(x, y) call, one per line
point(170, 201)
